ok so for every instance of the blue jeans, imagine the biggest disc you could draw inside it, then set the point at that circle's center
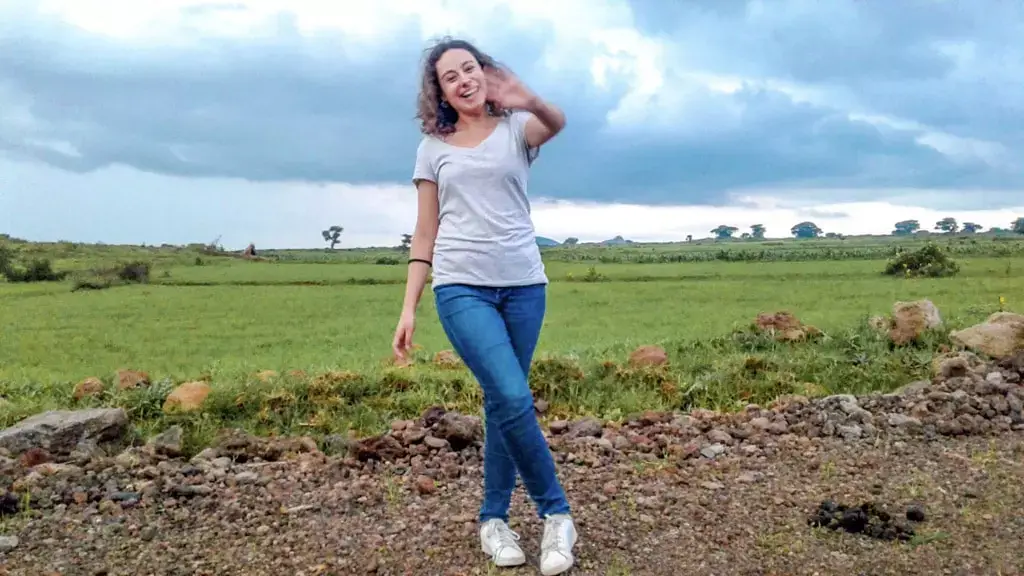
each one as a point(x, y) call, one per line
point(495, 331)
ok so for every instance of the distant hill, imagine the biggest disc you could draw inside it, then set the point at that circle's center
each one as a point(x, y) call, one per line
point(617, 240)
point(546, 242)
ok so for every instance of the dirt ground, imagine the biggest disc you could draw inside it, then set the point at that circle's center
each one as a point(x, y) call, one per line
point(744, 513)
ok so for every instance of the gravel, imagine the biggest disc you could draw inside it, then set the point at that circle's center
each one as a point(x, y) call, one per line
point(930, 475)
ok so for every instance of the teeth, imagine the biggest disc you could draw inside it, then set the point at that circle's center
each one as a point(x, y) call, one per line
point(469, 93)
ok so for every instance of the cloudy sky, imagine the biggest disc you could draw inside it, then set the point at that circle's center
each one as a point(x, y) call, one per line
point(268, 120)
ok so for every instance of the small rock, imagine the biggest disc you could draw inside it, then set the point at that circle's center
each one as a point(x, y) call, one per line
point(88, 387)
point(712, 451)
point(850, 432)
point(8, 543)
point(247, 477)
point(760, 423)
point(460, 430)
point(915, 513)
point(587, 427)
point(717, 436)
point(904, 421)
point(648, 356)
point(425, 485)
point(169, 442)
point(435, 443)
point(130, 379)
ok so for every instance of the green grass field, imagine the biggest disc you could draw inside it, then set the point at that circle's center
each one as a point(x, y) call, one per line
point(223, 319)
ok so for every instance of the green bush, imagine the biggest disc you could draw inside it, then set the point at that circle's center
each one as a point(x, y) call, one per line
point(134, 272)
point(928, 261)
point(37, 270)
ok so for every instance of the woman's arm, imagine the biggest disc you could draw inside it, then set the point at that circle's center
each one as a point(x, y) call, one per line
point(422, 245)
point(547, 120)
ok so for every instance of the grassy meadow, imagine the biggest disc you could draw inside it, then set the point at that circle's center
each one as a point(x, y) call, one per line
point(322, 322)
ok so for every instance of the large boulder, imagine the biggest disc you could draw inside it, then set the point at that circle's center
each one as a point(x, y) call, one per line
point(912, 319)
point(999, 336)
point(59, 432)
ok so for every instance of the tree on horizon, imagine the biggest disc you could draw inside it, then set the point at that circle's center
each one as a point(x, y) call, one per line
point(1018, 225)
point(723, 231)
point(947, 225)
point(332, 235)
point(806, 230)
point(906, 227)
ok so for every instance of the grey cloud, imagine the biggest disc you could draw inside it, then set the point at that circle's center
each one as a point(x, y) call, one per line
point(293, 108)
point(951, 65)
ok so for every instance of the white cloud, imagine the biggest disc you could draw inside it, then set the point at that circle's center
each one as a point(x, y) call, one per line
point(595, 221)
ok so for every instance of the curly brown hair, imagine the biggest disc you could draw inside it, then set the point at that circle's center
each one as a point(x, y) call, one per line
point(435, 119)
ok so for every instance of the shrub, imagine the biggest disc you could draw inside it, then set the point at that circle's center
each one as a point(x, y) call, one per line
point(90, 284)
point(928, 261)
point(37, 270)
point(134, 272)
point(6, 256)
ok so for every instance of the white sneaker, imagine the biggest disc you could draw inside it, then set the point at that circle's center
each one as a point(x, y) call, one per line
point(556, 545)
point(501, 543)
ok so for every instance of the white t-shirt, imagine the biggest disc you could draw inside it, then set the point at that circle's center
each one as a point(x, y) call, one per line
point(485, 235)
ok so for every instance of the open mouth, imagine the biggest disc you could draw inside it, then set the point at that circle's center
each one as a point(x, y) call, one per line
point(467, 94)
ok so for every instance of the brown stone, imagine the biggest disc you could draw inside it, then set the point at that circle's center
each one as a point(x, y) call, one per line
point(34, 457)
point(130, 379)
point(266, 375)
point(1000, 336)
point(447, 359)
point(425, 485)
point(649, 355)
point(784, 326)
point(912, 319)
point(88, 387)
point(187, 397)
point(880, 323)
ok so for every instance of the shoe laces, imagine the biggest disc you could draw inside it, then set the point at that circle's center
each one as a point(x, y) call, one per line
point(554, 535)
point(506, 536)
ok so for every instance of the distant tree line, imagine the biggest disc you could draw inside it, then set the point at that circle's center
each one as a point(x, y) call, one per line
point(948, 225)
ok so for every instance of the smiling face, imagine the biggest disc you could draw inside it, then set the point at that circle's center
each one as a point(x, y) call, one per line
point(462, 81)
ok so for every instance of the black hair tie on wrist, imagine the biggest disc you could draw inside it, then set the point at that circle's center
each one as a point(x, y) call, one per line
point(427, 262)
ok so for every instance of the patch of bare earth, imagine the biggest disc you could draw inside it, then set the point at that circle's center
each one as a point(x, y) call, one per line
point(700, 493)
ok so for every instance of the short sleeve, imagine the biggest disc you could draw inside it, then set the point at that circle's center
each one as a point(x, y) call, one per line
point(424, 168)
point(518, 121)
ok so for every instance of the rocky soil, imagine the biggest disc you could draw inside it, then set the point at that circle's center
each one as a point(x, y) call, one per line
point(935, 470)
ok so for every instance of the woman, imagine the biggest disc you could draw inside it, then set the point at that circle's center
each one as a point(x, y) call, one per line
point(482, 130)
